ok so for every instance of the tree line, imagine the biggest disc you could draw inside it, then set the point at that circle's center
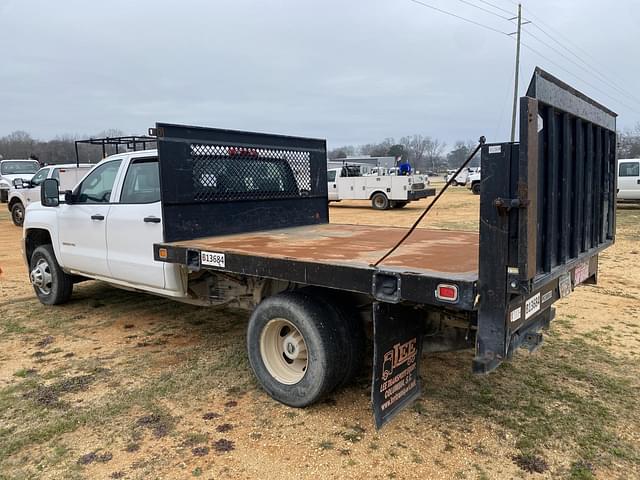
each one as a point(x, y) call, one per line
point(61, 149)
point(426, 153)
point(423, 152)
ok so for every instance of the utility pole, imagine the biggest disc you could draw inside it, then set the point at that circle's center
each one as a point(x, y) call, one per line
point(515, 86)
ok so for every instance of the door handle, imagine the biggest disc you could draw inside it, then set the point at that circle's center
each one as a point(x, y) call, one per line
point(151, 220)
point(638, 181)
point(97, 217)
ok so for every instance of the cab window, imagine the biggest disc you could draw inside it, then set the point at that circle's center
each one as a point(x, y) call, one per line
point(97, 187)
point(331, 176)
point(142, 182)
point(39, 177)
point(629, 169)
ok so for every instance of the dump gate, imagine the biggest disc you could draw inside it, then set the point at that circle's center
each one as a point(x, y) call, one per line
point(547, 208)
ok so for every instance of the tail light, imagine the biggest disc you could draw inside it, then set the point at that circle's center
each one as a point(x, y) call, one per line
point(447, 292)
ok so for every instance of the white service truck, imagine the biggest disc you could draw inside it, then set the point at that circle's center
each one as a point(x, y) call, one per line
point(24, 192)
point(11, 170)
point(473, 182)
point(349, 182)
point(629, 179)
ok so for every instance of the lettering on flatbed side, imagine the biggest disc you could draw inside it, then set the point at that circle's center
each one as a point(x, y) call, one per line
point(213, 259)
point(532, 306)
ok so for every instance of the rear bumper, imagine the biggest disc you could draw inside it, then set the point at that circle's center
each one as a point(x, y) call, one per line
point(418, 194)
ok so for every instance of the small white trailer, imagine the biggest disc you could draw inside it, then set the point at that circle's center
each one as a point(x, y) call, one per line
point(349, 182)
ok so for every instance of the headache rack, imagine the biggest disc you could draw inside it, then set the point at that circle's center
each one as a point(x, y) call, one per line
point(128, 143)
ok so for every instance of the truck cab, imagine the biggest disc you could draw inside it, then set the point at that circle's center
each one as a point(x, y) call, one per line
point(629, 179)
point(24, 192)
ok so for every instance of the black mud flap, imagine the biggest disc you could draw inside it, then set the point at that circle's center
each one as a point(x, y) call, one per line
point(397, 346)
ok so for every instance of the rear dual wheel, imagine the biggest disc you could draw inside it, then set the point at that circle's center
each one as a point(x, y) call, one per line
point(300, 347)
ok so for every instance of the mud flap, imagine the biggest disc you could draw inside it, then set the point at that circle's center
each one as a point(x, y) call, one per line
point(397, 346)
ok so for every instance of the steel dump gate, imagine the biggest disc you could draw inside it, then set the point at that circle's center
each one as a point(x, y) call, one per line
point(549, 203)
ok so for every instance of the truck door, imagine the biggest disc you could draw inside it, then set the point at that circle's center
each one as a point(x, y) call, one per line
point(332, 184)
point(629, 180)
point(82, 224)
point(135, 224)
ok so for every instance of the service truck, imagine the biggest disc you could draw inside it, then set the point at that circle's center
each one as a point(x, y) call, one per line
point(24, 192)
point(11, 170)
point(387, 190)
point(629, 179)
point(218, 217)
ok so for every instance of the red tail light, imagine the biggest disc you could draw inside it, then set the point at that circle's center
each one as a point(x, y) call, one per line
point(447, 293)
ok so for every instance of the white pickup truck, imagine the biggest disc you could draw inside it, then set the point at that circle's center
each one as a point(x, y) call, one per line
point(11, 170)
point(25, 192)
point(384, 191)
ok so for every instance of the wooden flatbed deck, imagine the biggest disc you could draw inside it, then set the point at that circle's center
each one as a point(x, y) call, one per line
point(436, 253)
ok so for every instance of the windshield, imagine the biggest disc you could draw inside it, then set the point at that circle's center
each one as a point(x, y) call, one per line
point(19, 167)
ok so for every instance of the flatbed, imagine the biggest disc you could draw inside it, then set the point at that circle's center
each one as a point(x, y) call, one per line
point(248, 212)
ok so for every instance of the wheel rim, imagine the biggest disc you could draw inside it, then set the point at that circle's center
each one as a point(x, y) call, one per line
point(379, 201)
point(41, 277)
point(18, 214)
point(284, 351)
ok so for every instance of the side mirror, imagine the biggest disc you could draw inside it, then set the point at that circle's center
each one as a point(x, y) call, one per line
point(50, 193)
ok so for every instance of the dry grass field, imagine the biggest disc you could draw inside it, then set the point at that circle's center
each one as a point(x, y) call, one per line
point(125, 385)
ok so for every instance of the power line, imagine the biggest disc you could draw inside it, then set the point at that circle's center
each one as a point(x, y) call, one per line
point(592, 69)
point(496, 7)
point(459, 17)
point(537, 24)
point(557, 65)
point(484, 9)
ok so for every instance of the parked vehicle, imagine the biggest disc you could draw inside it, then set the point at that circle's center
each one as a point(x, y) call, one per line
point(461, 178)
point(386, 189)
point(473, 182)
point(11, 170)
point(629, 179)
point(26, 191)
point(203, 222)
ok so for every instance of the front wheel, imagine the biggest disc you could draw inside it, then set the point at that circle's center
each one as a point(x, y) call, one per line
point(380, 201)
point(475, 188)
point(294, 349)
point(51, 284)
point(17, 214)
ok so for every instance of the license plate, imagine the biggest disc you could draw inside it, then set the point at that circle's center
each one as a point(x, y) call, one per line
point(212, 259)
point(565, 285)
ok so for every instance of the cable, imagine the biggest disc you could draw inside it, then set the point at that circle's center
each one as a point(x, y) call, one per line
point(481, 142)
point(617, 100)
point(459, 17)
point(485, 10)
point(592, 69)
point(496, 7)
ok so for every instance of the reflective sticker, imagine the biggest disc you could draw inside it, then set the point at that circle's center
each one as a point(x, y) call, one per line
point(495, 149)
point(547, 296)
point(532, 306)
point(581, 273)
point(516, 314)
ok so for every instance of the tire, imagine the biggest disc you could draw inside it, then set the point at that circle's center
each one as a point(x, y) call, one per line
point(302, 380)
point(379, 201)
point(17, 214)
point(399, 204)
point(350, 330)
point(475, 188)
point(51, 284)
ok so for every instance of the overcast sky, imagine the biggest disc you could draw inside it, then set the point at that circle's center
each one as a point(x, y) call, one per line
point(350, 71)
